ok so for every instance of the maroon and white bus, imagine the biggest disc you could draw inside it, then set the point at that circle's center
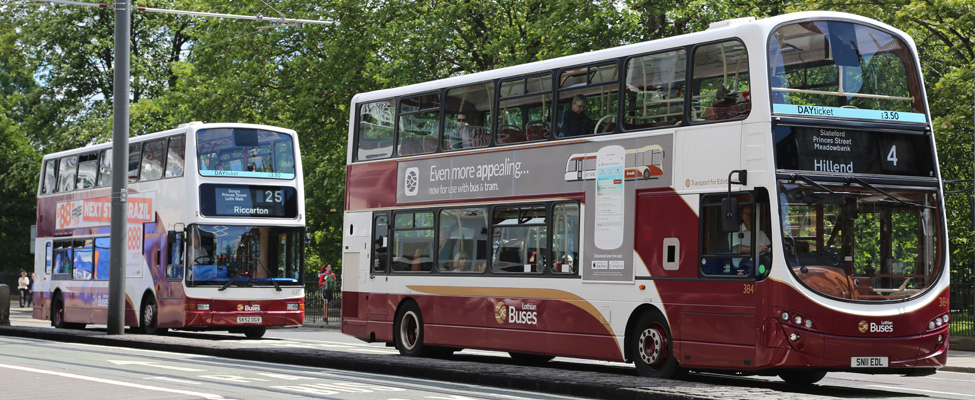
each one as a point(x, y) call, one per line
point(215, 234)
point(792, 223)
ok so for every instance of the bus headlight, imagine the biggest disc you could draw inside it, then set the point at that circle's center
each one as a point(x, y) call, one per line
point(292, 306)
point(202, 306)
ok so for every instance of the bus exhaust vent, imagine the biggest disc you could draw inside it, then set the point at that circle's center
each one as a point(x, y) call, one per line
point(730, 22)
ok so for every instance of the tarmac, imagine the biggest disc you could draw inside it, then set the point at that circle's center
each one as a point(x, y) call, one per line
point(602, 385)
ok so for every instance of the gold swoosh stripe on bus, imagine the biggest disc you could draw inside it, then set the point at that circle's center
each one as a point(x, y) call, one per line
point(538, 294)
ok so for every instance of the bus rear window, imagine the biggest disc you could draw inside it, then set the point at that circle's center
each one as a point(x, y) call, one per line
point(842, 69)
point(249, 153)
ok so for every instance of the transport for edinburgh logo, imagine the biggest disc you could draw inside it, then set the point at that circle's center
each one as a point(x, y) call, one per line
point(411, 181)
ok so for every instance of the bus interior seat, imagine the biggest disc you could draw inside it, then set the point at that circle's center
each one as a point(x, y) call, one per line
point(510, 134)
point(537, 131)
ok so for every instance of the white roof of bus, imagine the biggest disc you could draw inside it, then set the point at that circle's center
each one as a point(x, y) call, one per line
point(181, 128)
point(735, 28)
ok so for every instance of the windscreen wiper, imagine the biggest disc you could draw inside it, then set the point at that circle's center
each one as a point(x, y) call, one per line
point(863, 183)
point(801, 177)
point(231, 280)
point(276, 286)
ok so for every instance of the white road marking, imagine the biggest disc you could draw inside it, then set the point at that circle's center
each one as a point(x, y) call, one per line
point(900, 388)
point(174, 380)
point(111, 382)
point(155, 365)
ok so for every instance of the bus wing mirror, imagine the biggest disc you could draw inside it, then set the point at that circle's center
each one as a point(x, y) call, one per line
point(730, 214)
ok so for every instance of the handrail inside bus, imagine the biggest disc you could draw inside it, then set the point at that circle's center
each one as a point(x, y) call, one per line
point(828, 93)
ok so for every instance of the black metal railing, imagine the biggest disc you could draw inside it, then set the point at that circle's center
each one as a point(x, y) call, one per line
point(962, 309)
point(314, 310)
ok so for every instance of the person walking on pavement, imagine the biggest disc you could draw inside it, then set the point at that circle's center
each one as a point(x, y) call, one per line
point(22, 284)
point(30, 291)
point(326, 279)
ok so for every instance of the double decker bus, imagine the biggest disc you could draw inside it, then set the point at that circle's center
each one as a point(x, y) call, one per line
point(215, 237)
point(796, 225)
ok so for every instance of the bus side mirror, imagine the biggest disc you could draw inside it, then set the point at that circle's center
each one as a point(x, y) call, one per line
point(730, 215)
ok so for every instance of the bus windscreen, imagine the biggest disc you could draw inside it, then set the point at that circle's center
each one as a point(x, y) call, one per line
point(843, 70)
point(249, 153)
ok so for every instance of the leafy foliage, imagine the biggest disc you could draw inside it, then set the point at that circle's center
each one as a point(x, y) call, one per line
point(56, 74)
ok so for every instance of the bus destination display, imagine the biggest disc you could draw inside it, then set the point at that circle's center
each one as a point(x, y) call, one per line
point(248, 201)
point(850, 151)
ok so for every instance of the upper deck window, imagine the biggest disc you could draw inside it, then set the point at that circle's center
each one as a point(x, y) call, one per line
point(242, 152)
point(841, 69)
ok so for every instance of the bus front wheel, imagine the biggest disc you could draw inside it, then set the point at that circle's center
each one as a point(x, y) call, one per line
point(408, 332)
point(255, 333)
point(150, 317)
point(802, 378)
point(652, 347)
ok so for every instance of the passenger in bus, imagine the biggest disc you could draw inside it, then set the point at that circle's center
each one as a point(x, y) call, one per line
point(724, 106)
point(460, 263)
point(574, 121)
point(459, 137)
point(742, 241)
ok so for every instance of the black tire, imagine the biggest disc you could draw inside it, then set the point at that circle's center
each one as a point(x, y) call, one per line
point(530, 359)
point(803, 378)
point(57, 312)
point(653, 348)
point(408, 331)
point(646, 174)
point(149, 317)
point(255, 333)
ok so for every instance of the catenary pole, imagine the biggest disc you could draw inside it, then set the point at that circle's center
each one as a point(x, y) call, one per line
point(120, 158)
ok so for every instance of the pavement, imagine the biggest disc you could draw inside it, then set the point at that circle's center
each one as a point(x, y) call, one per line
point(589, 384)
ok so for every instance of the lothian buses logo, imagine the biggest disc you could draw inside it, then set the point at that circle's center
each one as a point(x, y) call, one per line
point(411, 181)
point(244, 307)
point(527, 315)
point(883, 327)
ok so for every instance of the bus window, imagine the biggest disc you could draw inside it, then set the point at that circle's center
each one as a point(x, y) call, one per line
point(467, 121)
point(83, 262)
point(101, 257)
point(67, 170)
point(525, 109)
point(105, 168)
point(419, 124)
point(462, 241)
point(135, 160)
point(520, 237)
point(721, 87)
point(588, 99)
point(244, 152)
point(565, 238)
point(375, 130)
point(380, 244)
point(413, 241)
point(152, 160)
point(50, 177)
point(87, 170)
point(62, 259)
point(174, 157)
point(655, 90)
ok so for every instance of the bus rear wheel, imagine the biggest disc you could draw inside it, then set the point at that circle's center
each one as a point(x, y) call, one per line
point(150, 317)
point(802, 377)
point(57, 312)
point(408, 331)
point(652, 347)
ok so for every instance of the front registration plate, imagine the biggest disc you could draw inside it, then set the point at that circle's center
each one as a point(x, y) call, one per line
point(868, 362)
point(248, 320)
